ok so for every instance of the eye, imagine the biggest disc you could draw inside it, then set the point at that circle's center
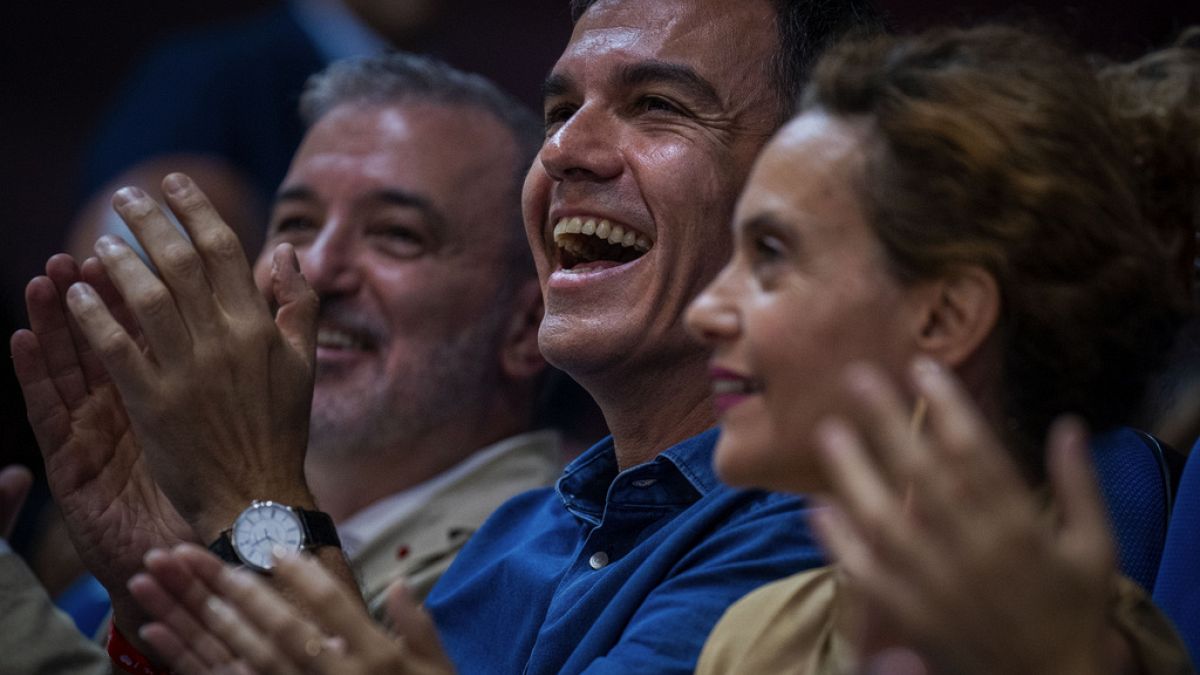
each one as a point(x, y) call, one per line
point(556, 115)
point(659, 104)
point(768, 249)
point(398, 240)
point(293, 224)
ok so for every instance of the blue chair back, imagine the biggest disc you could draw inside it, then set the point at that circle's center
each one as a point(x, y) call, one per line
point(1177, 590)
point(1136, 482)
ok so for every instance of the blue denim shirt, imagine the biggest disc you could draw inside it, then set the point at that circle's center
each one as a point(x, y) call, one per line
point(615, 572)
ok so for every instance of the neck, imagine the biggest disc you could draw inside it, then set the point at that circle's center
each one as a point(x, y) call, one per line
point(650, 410)
point(347, 480)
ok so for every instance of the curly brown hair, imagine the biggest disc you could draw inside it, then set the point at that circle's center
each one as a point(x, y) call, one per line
point(1157, 98)
point(994, 147)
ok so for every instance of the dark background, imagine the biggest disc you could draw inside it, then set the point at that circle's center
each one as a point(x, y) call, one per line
point(61, 61)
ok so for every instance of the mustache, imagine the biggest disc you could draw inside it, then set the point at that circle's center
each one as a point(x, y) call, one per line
point(339, 315)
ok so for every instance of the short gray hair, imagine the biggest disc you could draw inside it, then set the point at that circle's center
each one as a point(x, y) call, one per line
point(401, 77)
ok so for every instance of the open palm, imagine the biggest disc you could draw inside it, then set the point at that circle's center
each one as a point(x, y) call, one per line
point(113, 510)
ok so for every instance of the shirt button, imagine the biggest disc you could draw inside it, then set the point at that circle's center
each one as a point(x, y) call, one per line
point(644, 482)
point(599, 559)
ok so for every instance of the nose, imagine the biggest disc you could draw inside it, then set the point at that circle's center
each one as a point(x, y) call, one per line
point(330, 261)
point(584, 148)
point(713, 316)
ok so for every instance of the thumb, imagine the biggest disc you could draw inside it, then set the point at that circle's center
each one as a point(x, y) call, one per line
point(297, 315)
point(1084, 532)
point(15, 482)
point(415, 627)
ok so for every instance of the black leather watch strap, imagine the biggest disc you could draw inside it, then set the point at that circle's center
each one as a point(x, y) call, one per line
point(223, 549)
point(320, 529)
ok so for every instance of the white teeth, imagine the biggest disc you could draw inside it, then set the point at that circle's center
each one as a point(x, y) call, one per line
point(601, 229)
point(336, 339)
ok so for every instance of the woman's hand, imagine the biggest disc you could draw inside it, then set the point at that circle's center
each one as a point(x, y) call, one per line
point(212, 618)
point(942, 538)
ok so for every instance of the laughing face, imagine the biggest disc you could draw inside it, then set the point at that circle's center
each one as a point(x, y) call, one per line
point(400, 216)
point(808, 292)
point(654, 114)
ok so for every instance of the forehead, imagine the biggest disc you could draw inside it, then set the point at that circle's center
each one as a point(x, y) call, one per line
point(439, 151)
point(728, 43)
point(810, 173)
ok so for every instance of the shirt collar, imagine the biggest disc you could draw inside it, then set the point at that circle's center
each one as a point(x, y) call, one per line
point(336, 31)
point(368, 523)
point(677, 477)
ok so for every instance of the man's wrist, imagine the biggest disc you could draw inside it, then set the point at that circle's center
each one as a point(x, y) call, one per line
point(221, 515)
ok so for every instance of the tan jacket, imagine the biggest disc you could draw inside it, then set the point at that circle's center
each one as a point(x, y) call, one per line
point(422, 544)
point(797, 625)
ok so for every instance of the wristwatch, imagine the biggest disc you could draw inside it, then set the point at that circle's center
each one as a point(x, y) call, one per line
point(265, 525)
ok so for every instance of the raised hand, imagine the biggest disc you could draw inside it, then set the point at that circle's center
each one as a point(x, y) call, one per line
point(212, 618)
point(113, 510)
point(219, 395)
point(941, 536)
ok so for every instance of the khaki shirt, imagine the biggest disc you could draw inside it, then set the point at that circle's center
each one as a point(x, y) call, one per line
point(797, 625)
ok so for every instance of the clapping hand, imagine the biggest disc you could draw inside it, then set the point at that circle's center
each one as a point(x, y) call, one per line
point(942, 537)
point(113, 510)
point(219, 395)
point(213, 618)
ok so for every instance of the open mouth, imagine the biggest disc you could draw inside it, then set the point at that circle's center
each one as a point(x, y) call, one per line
point(331, 338)
point(595, 243)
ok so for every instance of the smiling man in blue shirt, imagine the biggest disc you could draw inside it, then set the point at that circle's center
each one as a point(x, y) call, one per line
point(654, 114)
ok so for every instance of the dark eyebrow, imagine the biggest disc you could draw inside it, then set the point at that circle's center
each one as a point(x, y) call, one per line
point(392, 196)
point(297, 193)
point(556, 84)
point(662, 72)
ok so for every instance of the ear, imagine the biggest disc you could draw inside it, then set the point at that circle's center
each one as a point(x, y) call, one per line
point(520, 358)
point(957, 314)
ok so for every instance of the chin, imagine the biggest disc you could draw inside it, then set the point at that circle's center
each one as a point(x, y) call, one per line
point(751, 461)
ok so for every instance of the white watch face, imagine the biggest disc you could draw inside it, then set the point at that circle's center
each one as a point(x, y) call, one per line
point(261, 528)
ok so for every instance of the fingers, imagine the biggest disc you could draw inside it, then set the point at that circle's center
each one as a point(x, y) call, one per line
point(959, 432)
point(48, 415)
point(117, 351)
point(297, 315)
point(1085, 533)
point(174, 650)
point(284, 636)
point(853, 477)
point(48, 320)
point(333, 608)
point(94, 274)
point(181, 595)
point(15, 482)
point(181, 267)
point(173, 595)
point(216, 244)
point(148, 299)
point(884, 418)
